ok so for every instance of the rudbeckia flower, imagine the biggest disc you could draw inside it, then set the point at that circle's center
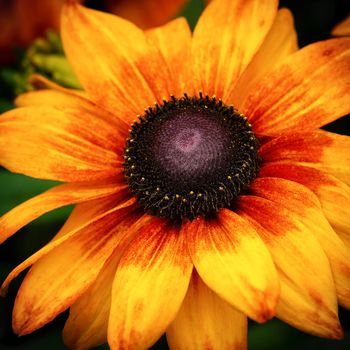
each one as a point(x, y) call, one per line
point(206, 191)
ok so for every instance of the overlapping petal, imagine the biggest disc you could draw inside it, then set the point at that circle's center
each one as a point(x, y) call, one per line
point(302, 201)
point(279, 43)
point(52, 199)
point(308, 297)
point(120, 69)
point(308, 90)
point(66, 267)
point(174, 42)
point(63, 144)
point(149, 286)
point(320, 149)
point(87, 324)
point(333, 194)
point(225, 39)
point(232, 260)
point(205, 321)
point(50, 94)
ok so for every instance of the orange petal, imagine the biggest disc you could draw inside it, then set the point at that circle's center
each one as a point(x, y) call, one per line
point(54, 198)
point(308, 297)
point(319, 149)
point(176, 56)
point(279, 43)
point(333, 194)
point(114, 61)
point(146, 13)
point(305, 203)
point(308, 90)
point(61, 98)
point(226, 37)
point(205, 321)
point(53, 98)
point(342, 28)
point(149, 286)
point(87, 211)
point(67, 267)
point(87, 324)
point(232, 260)
point(51, 94)
point(63, 144)
point(42, 83)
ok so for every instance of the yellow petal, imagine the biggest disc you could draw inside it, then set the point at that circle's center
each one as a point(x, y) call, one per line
point(150, 284)
point(65, 268)
point(116, 64)
point(308, 90)
point(205, 321)
point(177, 56)
point(233, 261)
point(54, 198)
point(226, 37)
point(308, 297)
point(63, 144)
point(279, 43)
point(87, 324)
point(305, 203)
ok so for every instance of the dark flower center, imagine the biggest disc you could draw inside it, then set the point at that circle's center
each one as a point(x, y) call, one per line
point(189, 157)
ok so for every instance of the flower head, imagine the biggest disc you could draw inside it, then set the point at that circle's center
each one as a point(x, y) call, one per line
point(206, 191)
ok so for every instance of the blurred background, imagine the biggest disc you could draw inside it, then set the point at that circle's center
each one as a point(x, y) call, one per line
point(314, 20)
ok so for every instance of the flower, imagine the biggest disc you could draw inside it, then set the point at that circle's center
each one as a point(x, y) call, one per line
point(222, 200)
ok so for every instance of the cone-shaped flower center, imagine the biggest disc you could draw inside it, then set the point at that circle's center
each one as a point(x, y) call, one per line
point(190, 157)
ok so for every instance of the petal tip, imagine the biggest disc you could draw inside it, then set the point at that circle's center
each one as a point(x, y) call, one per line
point(266, 306)
point(26, 323)
point(266, 312)
point(337, 332)
point(4, 288)
point(19, 328)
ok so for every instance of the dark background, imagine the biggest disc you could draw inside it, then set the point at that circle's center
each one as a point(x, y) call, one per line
point(314, 20)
